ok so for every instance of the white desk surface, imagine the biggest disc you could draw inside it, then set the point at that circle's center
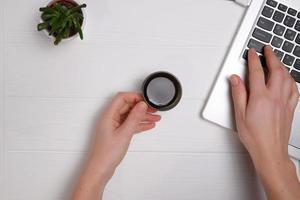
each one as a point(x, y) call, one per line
point(51, 95)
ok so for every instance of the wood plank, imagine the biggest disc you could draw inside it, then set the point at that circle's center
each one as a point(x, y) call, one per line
point(2, 144)
point(46, 176)
point(66, 124)
point(141, 176)
point(106, 70)
point(136, 22)
point(189, 177)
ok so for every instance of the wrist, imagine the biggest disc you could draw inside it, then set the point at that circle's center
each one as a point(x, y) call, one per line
point(92, 181)
point(277, 171)
point(278, 175)
point(98, 173)
point(272, 164)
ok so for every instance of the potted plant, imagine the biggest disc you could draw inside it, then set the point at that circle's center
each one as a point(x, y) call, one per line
point(62, 19)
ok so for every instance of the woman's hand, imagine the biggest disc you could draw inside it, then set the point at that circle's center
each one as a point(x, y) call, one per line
point(127, 115)
point(264, 116)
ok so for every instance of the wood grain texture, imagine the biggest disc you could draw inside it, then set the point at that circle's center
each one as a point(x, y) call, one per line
point(137, 22)
point(124, 42)
point(66, 125)
point(2, 143)
point(141, 176)
point(106, 70)
point(54, 94)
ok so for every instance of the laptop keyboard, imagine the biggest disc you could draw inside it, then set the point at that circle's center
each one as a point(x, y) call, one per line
point(279, 26)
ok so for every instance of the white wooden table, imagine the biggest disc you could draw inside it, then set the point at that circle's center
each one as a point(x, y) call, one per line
point(51, 95)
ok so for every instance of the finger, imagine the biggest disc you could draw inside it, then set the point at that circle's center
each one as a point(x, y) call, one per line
point(145, 127)
point(135, 116)
point(239, 96)
point(123, 101)
point(152, 118)
point(151, 110)
point(276, 69)
point(272, 60)
point(126, 108)
point(256, 73)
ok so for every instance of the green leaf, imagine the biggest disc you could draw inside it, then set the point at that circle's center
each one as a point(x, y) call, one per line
point(46, 17)
point(70, 23)
point(78, 8)
point(60, 23)
point(47, 10)
point(66, 32)
point(51, 32)
point(53, 20)
point(78, 29)
point(79, 16)
point(80, 33)
point(61, 8)
point(42, 26)
point(57, 40)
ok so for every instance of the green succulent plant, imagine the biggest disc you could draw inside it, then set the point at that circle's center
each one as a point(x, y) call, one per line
point(62, 20)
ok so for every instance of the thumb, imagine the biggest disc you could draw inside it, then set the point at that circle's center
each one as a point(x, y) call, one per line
point(134, 117)
point(239, 96)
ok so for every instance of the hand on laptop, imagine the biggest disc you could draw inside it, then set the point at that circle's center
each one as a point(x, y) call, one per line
point(264, 116)
point(127, 115)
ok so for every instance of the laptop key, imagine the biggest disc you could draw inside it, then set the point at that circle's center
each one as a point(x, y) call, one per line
point(289, 21)
point(279, 54)
point(279, 30)
point(265, 24)
point(262, 35)
point(298, 39)
point(278, 16)
point(296, 75)
point(288, 46)
point(298, 15)
point(297, 51)
point(297, 64)
point(297, 26)
point(290, 34)
point(292, 12)
point(282, 7)
point(272, 3)
point(277, 42)
point(258, 46)
point(267, 11)
point(245, 54)
point(288, 60)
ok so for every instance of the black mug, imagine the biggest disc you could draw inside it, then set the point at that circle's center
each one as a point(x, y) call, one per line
point(162, 91)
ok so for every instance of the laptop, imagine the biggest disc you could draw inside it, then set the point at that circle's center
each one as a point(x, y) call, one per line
point(276, 23)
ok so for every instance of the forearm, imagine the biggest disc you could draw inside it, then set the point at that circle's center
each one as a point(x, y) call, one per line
point(279, 178)
point(92, 183)
point(126, 116)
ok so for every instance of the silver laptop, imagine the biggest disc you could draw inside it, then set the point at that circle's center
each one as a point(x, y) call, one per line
point(266, 22)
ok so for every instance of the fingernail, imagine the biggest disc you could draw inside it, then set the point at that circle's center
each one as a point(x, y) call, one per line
point(234, 80)
point(268, 47)
point(252, 50)
point(159, 117)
